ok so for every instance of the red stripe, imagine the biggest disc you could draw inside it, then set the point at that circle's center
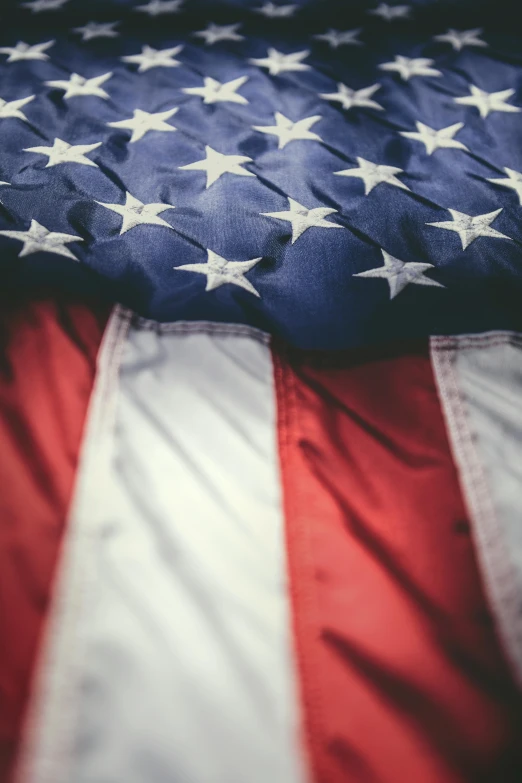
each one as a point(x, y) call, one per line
point(47, 363)
point(402, 677)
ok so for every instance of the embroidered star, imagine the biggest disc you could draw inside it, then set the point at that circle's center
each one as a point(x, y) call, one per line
point(277, 62)
point(487, 102)
point(390, 12)
point(213, 91)
point(513, 180)
point(338, 38)
point(435, 139)
point(372, 174)
point(216, 164)
point(288, 131)
point(302, 218)
point(142, 122)
point(398, 274)
point(214, 33)
point(157, 7)
point(24, 51)
point(349, 98)
point(154, 58)
point(219, 271)
point(79, 86)
point(470, 228)
point(62, 152)
point(45, 5)
point(39, 239)
point(12, 108)
point(460, 38)
point(407, 67)
point(135, 213)
point(94, 30)
point(273, 11)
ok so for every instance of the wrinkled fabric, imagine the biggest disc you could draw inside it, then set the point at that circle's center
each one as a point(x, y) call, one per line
point(480, 382)
point(171, 655)
point(47, 365)
point(353, 638)
point(307, 290)
point(401, 671)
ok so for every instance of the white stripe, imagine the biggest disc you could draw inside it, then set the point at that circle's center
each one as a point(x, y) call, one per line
point(182, 668)
point(480, 384)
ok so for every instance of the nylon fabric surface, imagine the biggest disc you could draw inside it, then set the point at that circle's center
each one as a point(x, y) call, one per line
point(480, 378)
point(47, 363)
point(308, 291)
point(184, 668)
point(402, 675)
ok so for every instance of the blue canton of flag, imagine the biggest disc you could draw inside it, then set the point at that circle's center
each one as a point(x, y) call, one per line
point(335, 176)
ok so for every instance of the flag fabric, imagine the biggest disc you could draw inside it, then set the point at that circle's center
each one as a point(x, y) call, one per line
point(267, 569)
point(260, 383)
point(332, 173)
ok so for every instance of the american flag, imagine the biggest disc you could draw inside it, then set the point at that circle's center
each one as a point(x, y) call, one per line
point(260, 383)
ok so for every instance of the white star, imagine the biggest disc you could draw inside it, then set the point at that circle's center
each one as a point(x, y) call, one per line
point(470, 228)
point(24, 51)
point(154, 58)
point(142, 122)
point(213, 91)
point(390, 12)
point(288, 131)
point(45, 5)
point(338, 38)
point(460, 38)
point(220, 271)
point(62, 152)
point(435, 139)
point(216, 164)
point(513, 180)
point(78, 85)
point(399, 274)
point(214, 33)
point(302, 218)
point(272, 11)
point(157, 7)
point(373, 174)
point(12, 108)
point(277, 62)
point(407, 67)
point(349, 98)
point(39, 239)
point(135, 213)
point(94, 30)
point(488, 101)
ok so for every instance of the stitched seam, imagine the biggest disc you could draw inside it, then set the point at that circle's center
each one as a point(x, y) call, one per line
point(500, 582)
point(484, 340)
point(318, 731)
point(284, 386)
point(302, 572)
point(201, 327)
point(45, 753)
